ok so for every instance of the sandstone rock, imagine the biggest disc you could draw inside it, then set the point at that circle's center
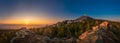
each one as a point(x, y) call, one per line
point(98, 35)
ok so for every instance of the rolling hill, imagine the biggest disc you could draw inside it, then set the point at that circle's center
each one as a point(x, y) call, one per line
point(69, 31)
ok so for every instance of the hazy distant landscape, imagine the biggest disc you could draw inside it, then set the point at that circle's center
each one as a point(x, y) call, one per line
point(18, 26)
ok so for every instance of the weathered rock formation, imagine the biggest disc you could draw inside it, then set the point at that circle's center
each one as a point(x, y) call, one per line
point(98, 34)
point(26, 36)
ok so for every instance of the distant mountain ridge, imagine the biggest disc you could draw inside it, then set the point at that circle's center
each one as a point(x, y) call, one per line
point(83, 18)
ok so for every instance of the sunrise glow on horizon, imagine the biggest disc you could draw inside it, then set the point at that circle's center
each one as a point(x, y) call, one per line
point(53, 11)
point(27, 18)
point(27, 22)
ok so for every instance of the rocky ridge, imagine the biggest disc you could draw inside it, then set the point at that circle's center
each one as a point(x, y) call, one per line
point(98, 34)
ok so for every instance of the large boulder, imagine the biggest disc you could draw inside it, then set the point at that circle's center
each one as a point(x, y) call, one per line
point(24, 35)
point(99, 34)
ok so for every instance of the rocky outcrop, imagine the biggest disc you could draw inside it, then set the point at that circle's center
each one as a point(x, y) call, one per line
point(98, 34)
point(26, 36)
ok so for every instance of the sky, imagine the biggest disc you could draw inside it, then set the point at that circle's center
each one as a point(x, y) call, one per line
point(52, 11)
